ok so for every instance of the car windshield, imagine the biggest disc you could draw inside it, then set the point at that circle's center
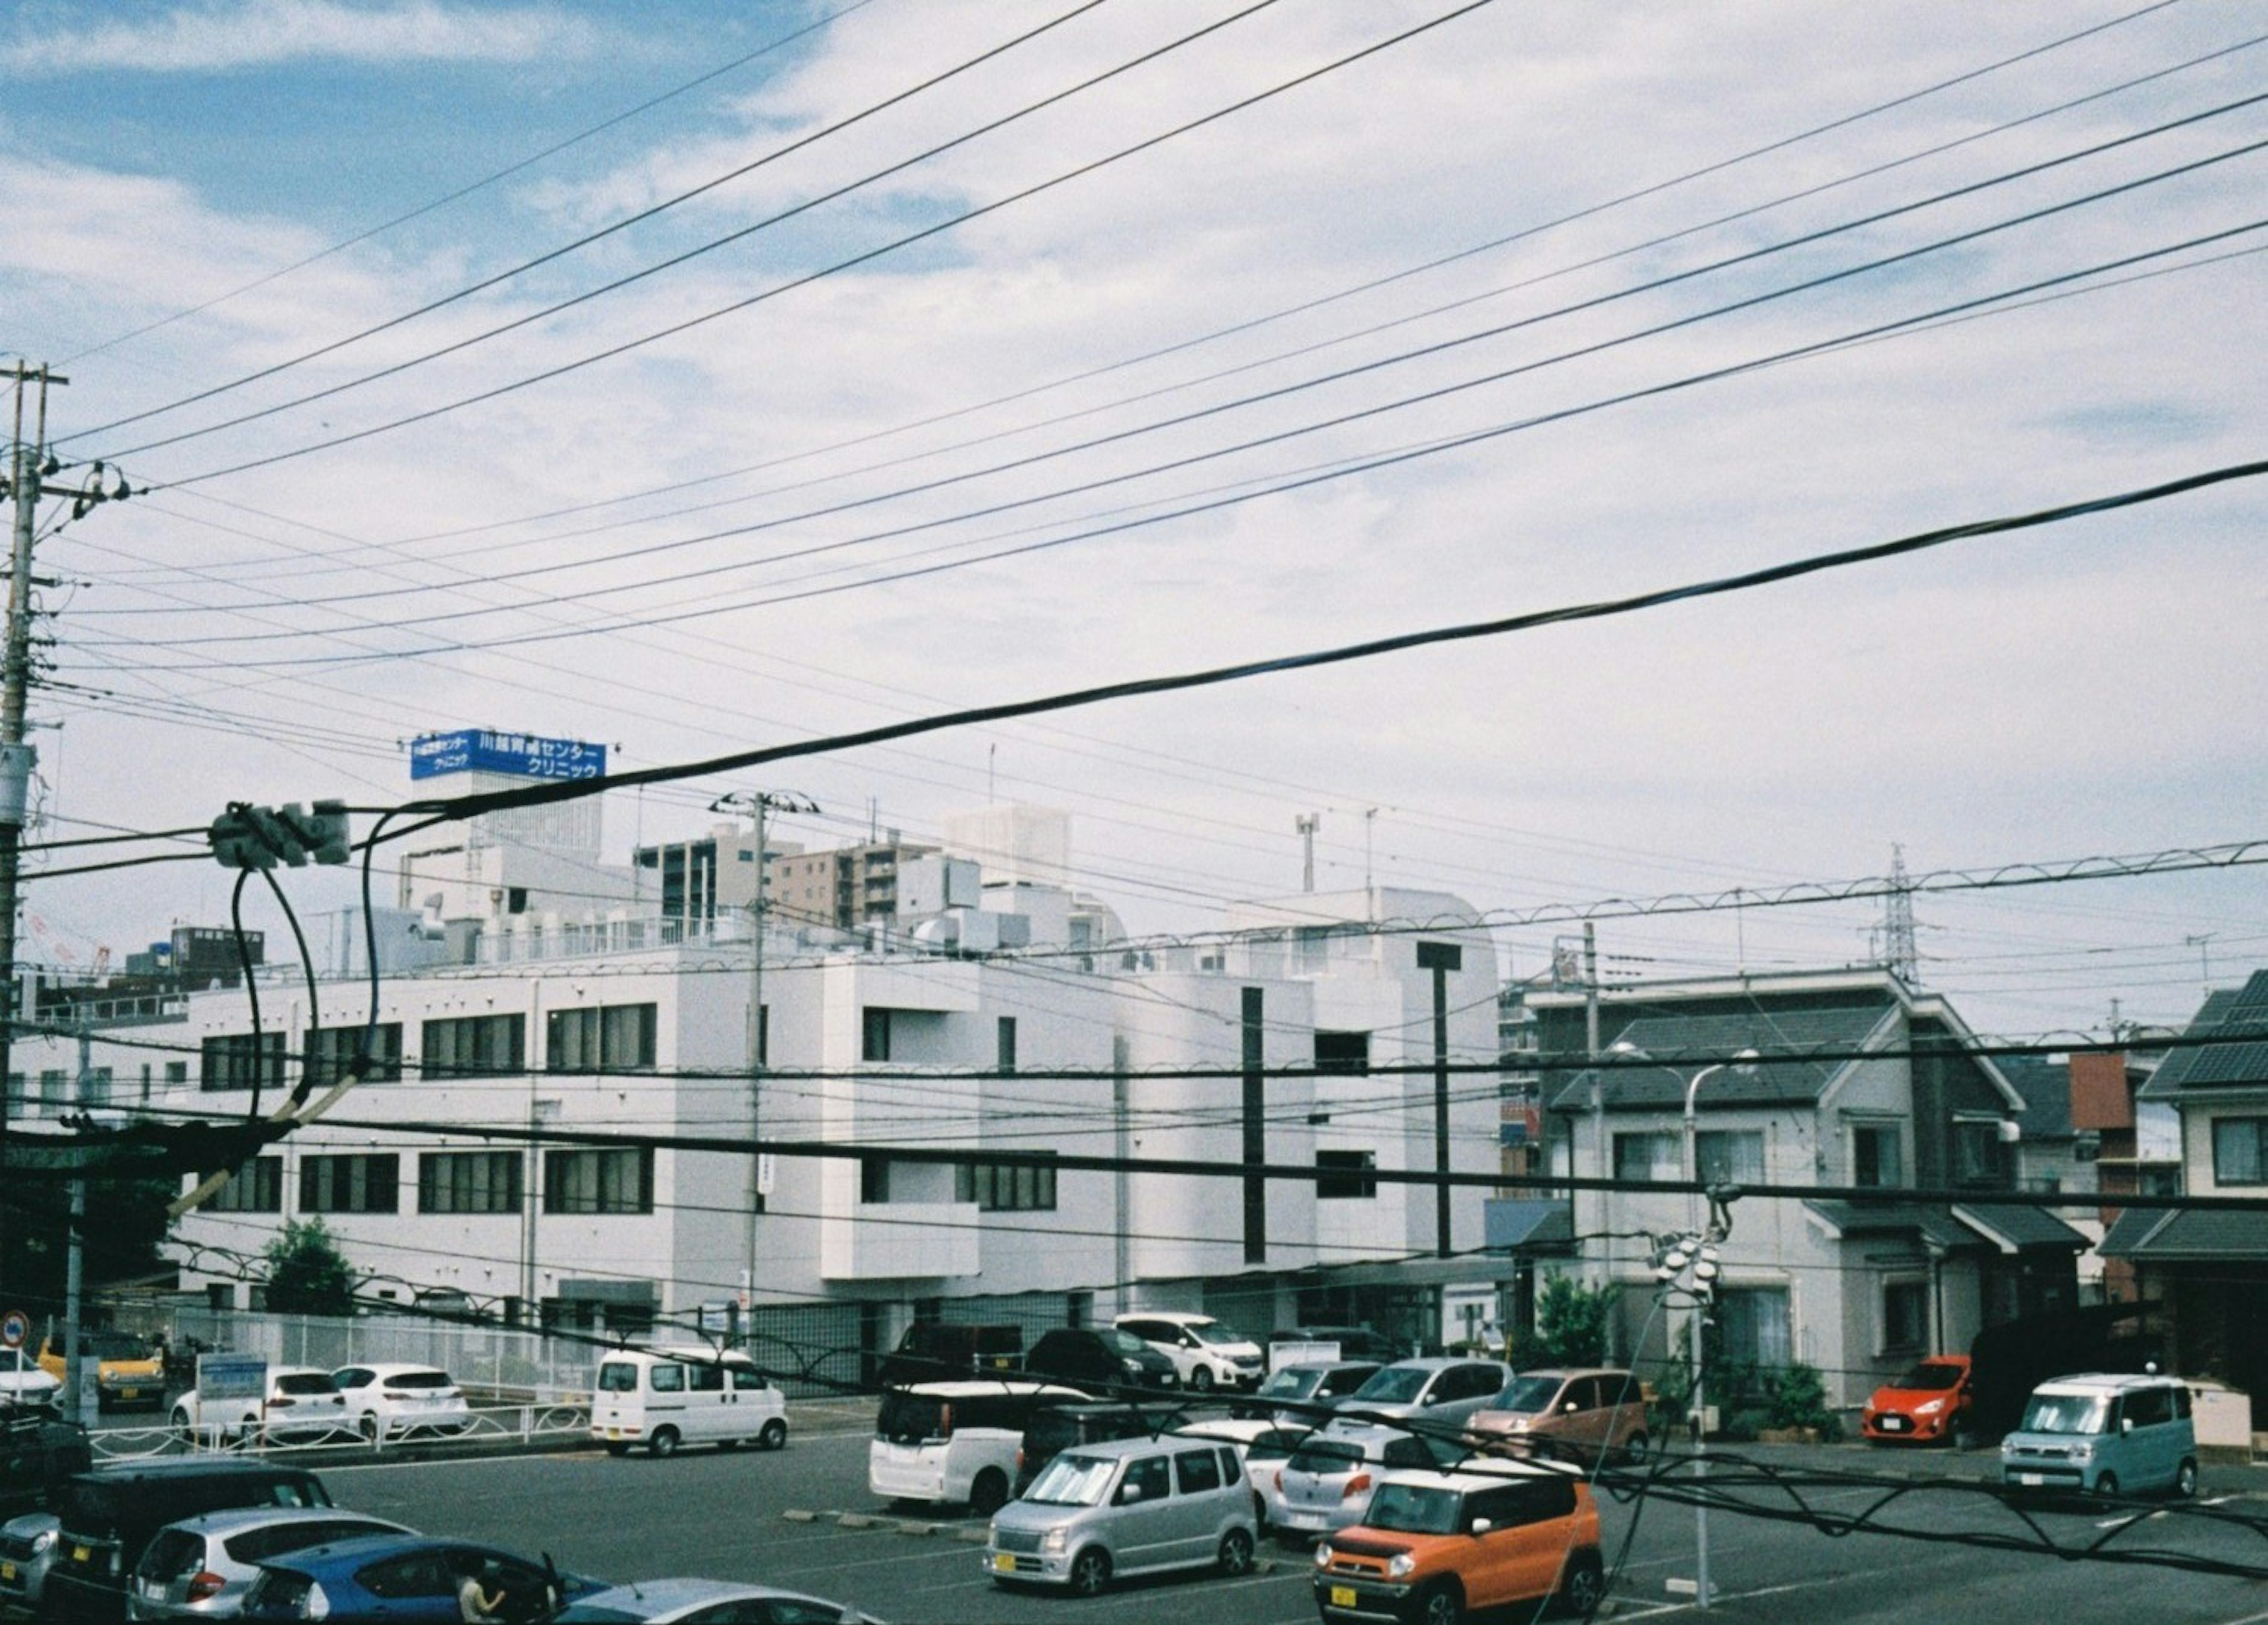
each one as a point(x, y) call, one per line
point(305, 1383)
point(1122, 1343)
point(418, 1379)
point(1528, 1394)
point(1413, 1509)
point(1291, 1382)
point(1326, 1456)
point(1213, 1331)
point(1072, 1480)
point(1930, 1376)
point(2064, 1412)
point(1395, 1385)
point(910, 1418)
point(114, 1346)
point(618, 1376)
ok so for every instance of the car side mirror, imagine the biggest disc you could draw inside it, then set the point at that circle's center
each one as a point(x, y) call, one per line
point(1127, 1493)
point(1482, 1526)
point(2125, 1425)
point(1571, 1408)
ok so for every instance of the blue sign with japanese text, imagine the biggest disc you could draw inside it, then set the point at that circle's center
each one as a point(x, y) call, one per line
point(523, 756)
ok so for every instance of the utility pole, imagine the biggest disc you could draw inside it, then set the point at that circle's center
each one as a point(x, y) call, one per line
point(1307, 823)
point(757, 804)
point(16, 757)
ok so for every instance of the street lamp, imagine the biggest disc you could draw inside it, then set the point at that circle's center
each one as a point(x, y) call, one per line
point(1703, 1265)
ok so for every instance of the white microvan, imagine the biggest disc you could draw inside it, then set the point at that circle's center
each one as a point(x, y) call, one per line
point(954, 1441)
point(663, 1397)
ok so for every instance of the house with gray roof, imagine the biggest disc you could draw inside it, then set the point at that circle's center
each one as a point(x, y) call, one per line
point(2207, 1268)
point(1860, 1080)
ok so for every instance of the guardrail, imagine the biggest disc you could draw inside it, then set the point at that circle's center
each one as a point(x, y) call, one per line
point(518, 1424)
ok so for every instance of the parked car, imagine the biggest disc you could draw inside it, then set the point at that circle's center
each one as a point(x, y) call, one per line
point(22, 1381)
point(1101, 1359)
point(1305, 1390)
point(1437, 1388)
point(666, 1397)
point(1355, 1342)
point(406, 1579)
point(686, 1602)
point(395, 1402)
point(1326, 1481)
point(300, 1403)
point(1588, 1414)
point(200, 1567)
point(1434, 1546)
point(936, 1351)
point(1262, 1445)
point(1205, 1354)
point(2104, 1436)
point(129, 1369)
point(110, 1515)
point(1053, 1428)
point(1128, 1507)
point(1929, 1404)
point(954, 1442)
point(28, 1555)
point(38, 1453)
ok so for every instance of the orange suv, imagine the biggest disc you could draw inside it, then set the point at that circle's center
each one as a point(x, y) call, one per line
point(1435, 1545)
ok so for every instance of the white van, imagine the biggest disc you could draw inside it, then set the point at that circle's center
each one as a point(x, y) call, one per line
point(953, 1442)
point(663, 1397)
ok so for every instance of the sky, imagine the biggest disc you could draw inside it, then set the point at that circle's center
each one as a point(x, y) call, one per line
point(692, 379)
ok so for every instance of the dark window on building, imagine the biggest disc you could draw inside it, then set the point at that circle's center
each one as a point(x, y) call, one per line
point(227, 1061)
point(1647, 1156)
point(1344, 1053)
point(332, 1050)
point(257, 1186)
point(469, 1182)
point(1730, 1155)
point(1005, 1052)
point(1905, 1315)
point(598, 1181)
point(1754, 1323)
point(873, 1178)
point(474, 1046)
point(614, 1038)
point(366, 1183)
point(1877, 1156)
point(1975, 1153)
point(177, 1071)
point(1006, 1187)
point(2240, 1150)
point(874, 1032)
point(1346, 1175)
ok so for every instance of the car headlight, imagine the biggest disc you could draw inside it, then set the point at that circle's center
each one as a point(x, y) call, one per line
point(1399, 1565)
point(1133, 1367)
point(1930, 1408)
point(43, 1541)
point(1323, 1554)
point(2083, 1449)
point(315, 1605)
point(1054, 1539)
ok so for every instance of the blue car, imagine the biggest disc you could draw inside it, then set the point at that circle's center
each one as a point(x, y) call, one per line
point(408, 1577)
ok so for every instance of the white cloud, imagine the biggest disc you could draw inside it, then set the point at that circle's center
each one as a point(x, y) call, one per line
point(258, 34)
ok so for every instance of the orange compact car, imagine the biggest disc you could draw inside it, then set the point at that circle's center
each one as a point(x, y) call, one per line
point(1435, 1545)
point(1927, 1406)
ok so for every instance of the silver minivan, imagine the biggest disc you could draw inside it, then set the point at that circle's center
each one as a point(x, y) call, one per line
point(1128, 1506)
point(2104, 1436)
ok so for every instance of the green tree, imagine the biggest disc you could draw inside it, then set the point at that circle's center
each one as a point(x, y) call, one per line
point(307, 1274)
point(1571, 1325)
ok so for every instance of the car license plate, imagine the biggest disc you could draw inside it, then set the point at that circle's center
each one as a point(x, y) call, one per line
point(1894, 1424)
point(2032, 1479)
point(1005, 1562)
point(1343, 1596)
point(7, 1571)
point(80, 1554)
point(615, 1433)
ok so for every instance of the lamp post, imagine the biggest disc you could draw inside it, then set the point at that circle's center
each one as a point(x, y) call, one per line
point(1703, 1264)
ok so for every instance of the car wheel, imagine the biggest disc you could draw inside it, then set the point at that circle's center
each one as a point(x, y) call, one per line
point(1634, 1451)
point(2107, 1485)
point(1260, 1511)
point(2185, 1480)
point(183, 1429)
point(774, 1436)
point(617, 1447)
point(663, 1442)
point(1201, 1380)
point(990, 1492)
point(1440, 1603)
point(1583, 1584)
point(1090, 1572)
point(369, 1428)
point(1236, 1552)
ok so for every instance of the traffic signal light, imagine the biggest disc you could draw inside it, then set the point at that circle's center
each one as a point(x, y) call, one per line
point(258, 837)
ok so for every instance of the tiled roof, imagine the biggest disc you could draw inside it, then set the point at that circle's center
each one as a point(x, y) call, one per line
point(1633, 1086)
point(2163, 1237)
point(2018, 1229)
point(2220, 1066)
point(2045, 1086)
point(1934, 1225)
point(1513, 1224)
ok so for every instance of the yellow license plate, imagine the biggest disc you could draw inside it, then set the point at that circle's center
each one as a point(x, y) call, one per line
point(1343, 1596)
point(129, 1394)
point(80, 1554)
point(1005, 1562)
point(614, 1433)
point(7, 1571)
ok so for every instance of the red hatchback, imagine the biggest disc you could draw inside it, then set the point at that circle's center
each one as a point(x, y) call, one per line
point(1929, 1404)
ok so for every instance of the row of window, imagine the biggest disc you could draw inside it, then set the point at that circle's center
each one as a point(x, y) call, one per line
point(1030, 1187)
point(574, 1181)
point(615, 1037)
